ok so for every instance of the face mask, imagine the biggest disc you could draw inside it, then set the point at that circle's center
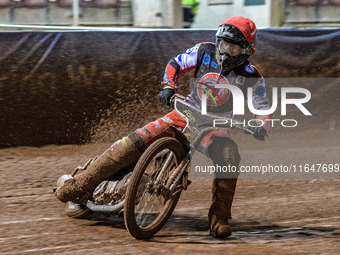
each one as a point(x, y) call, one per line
point(227, 62)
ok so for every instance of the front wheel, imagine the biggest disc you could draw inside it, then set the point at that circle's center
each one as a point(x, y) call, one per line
point(149, 203)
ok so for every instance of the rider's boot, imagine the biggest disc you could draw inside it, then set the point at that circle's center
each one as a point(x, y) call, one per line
point(121, 154)
point(220, 210)
point(224, 185)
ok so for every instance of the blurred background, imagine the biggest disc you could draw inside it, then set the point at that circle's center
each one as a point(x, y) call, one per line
point(167, 13)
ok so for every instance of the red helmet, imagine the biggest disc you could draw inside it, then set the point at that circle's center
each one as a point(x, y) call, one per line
point(239, 30)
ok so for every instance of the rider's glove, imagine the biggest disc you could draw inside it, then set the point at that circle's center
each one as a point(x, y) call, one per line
point(165, 95)
point(258, 131)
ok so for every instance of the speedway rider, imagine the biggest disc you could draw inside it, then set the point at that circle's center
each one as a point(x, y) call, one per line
point(223, 62)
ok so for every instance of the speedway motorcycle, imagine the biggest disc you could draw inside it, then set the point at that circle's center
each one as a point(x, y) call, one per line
point(147, 193)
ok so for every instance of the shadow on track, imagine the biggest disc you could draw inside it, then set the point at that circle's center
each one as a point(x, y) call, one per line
point(195, 229)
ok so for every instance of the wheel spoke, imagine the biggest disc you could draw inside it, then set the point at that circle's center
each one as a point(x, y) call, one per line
point(148, 200)
point(152, 201)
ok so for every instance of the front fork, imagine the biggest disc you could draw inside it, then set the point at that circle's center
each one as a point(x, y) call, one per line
point(173, 185)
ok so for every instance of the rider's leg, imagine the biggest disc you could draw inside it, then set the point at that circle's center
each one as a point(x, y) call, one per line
point(121, 154)
point(160, 127)
point(223, 152)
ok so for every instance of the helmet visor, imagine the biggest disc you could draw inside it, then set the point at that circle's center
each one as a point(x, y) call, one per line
point(225, 47)
point(232, 34)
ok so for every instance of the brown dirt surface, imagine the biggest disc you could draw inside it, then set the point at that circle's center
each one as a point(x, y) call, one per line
point(270, 215)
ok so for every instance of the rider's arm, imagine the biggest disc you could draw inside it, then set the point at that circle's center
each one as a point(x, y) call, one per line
point(181, 64)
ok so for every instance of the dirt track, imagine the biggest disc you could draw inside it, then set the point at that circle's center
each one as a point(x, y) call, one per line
point(281, 216)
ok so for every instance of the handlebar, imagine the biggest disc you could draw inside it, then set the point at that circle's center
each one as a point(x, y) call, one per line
point(236, 123)
point(172, 99)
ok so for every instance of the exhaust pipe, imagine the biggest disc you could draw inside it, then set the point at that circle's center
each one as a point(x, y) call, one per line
point(105, 208)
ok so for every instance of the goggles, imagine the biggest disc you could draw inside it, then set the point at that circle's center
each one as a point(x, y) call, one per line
point(225, 47)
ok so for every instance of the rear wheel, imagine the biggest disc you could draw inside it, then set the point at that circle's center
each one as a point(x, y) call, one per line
point(149, 203)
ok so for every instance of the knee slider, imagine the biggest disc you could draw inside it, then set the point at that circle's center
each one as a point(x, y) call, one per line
point(224, 151)
point(137, 139)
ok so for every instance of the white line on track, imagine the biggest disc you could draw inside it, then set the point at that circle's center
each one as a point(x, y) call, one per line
point(25, 196)
point(308, 220)
point(85, 251)
point(76, 247)
point(41, 249)
point(29, 220)
point(21, 237)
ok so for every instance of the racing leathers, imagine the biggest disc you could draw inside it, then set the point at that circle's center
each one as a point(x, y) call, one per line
point(202, 59)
